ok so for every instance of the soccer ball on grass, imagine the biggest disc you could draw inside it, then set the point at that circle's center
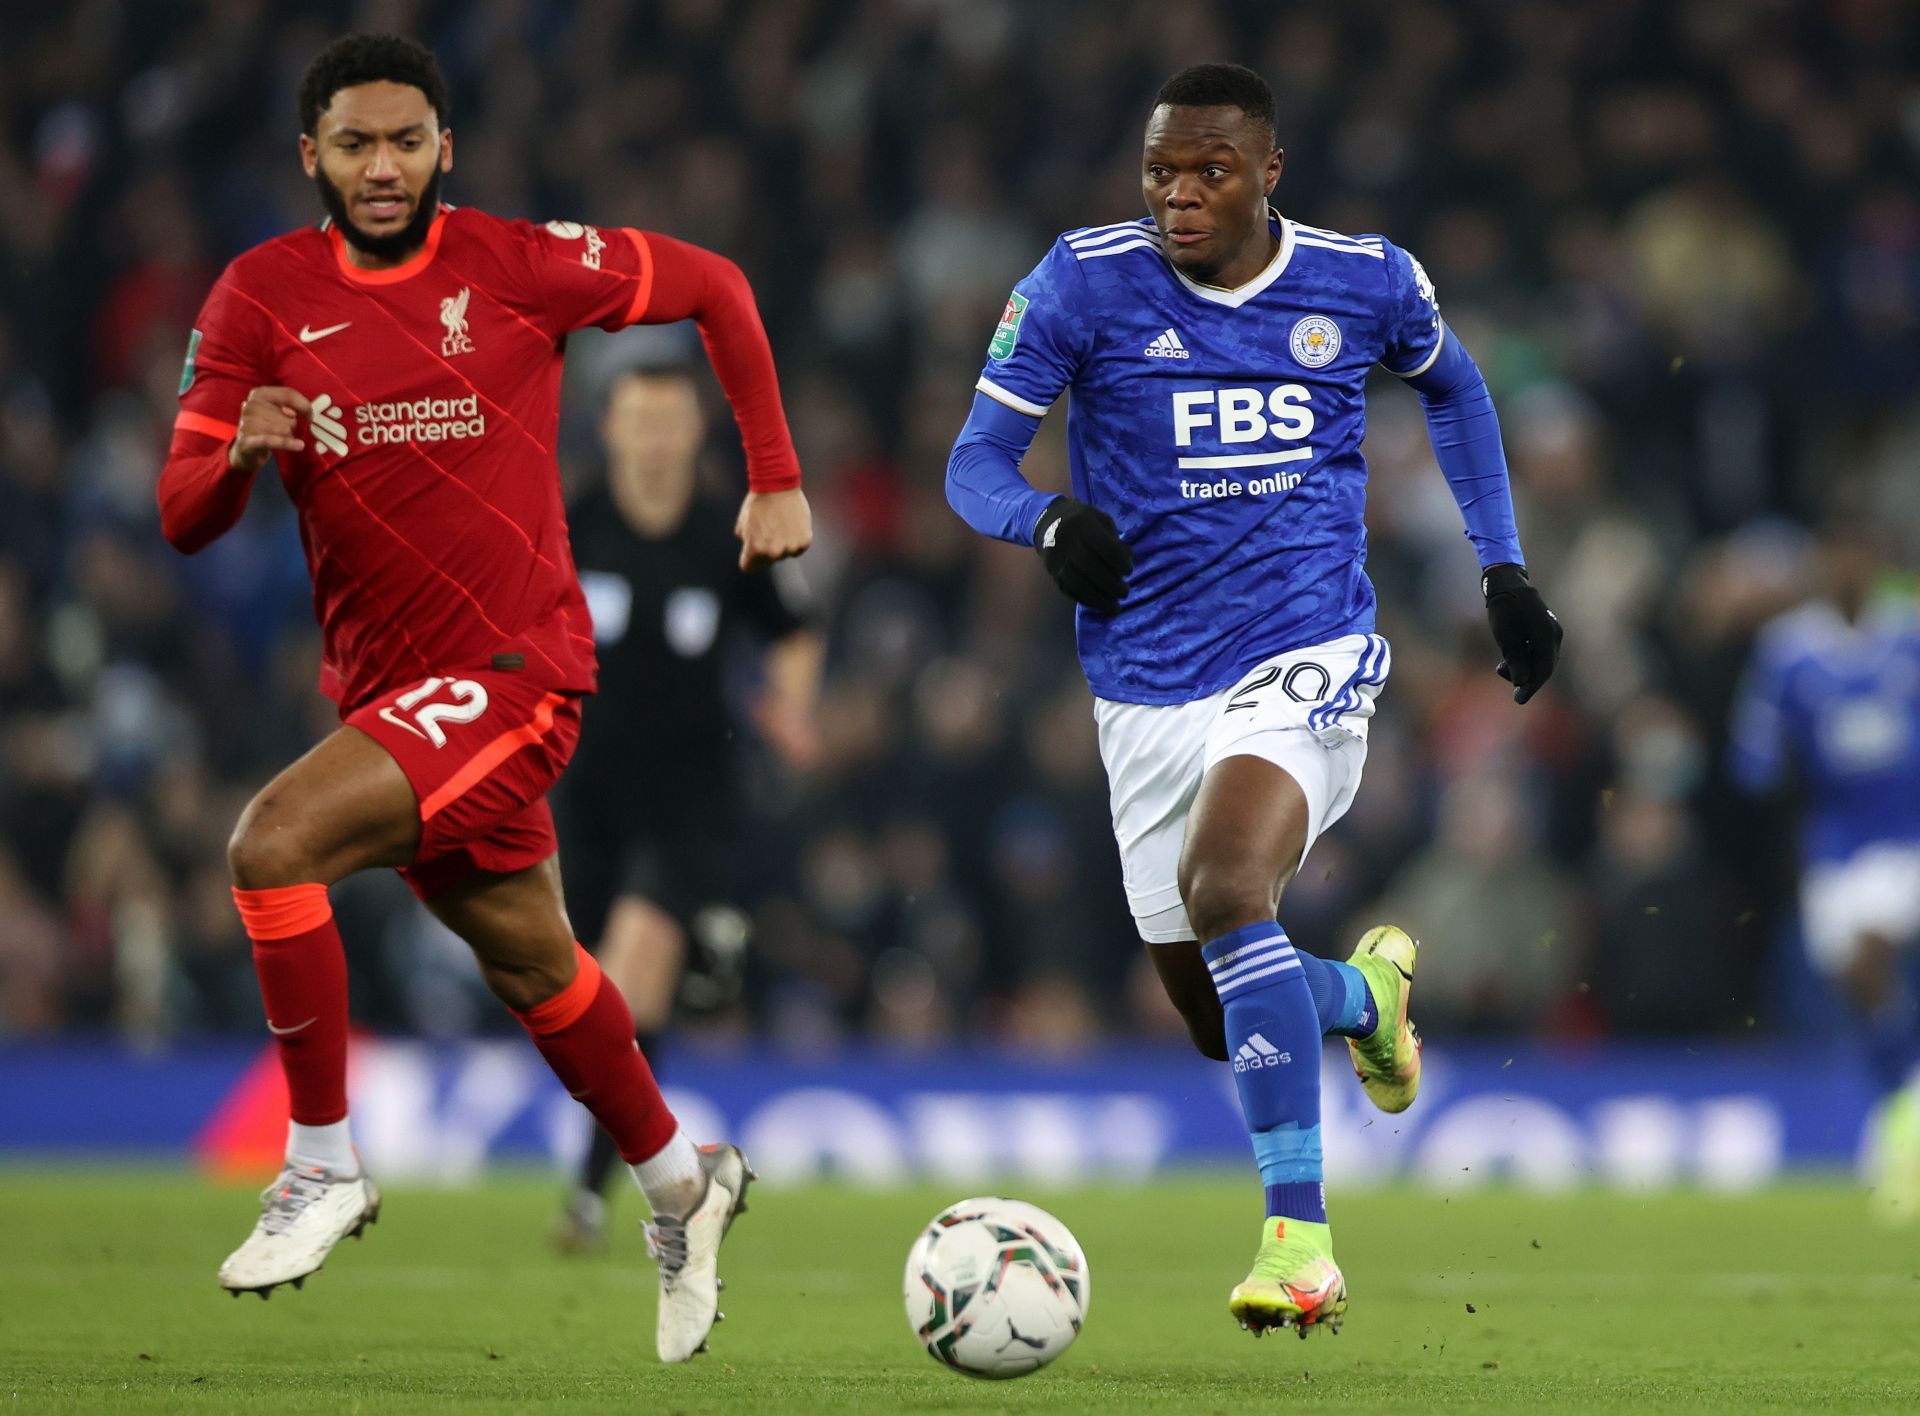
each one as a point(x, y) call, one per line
point(996, 1287)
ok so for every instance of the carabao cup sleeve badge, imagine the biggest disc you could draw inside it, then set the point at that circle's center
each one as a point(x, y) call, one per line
point(1008, 333)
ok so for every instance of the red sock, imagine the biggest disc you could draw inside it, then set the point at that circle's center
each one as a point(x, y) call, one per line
point(303, 980)
point(585, 1032)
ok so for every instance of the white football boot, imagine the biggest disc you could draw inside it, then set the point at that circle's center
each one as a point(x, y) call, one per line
point(688, 1251)
point(303, 1214)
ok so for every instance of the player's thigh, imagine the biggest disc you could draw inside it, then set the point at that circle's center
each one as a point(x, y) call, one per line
point(516, 924)
point(1245, 837)
point(1284, 758)
point(344, 806)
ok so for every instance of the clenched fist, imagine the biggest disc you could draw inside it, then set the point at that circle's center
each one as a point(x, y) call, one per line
point(268, 420)
point(773, 526)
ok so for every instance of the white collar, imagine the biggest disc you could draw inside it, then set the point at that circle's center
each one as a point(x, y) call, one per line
point(1240, 294)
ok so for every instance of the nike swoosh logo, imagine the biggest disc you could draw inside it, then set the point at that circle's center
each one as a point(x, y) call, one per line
point(309, 334)
point(284, 1032)
point(388, 714)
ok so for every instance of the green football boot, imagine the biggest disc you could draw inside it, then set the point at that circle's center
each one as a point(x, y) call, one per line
point(1894, 1158)
point(1387, 1063)
point(1294, 1284)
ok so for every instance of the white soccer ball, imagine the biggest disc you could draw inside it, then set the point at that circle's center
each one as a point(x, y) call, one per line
point(996, 1287)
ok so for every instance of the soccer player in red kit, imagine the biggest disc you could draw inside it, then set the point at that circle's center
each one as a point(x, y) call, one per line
point(401, 364)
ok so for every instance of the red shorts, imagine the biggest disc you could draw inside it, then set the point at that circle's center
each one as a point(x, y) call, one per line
point(481, 753)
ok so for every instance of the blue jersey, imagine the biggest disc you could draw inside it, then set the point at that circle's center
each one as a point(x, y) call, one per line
point(1221, 430)
point(1842, 702)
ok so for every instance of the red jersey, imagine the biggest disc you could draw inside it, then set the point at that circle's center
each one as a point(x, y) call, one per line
point(428, 489)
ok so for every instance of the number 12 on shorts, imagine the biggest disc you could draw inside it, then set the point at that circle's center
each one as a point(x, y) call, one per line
point(469, 701)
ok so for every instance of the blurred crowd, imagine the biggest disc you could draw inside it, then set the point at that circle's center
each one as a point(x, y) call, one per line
point(1681, 237)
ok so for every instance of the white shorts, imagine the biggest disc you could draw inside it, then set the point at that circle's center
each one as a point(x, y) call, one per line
point(1874, 891)
point(1305, 711)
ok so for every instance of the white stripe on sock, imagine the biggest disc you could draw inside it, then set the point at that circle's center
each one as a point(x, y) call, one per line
point(1267, 942)
point(1239, 985)
point(1251, 961)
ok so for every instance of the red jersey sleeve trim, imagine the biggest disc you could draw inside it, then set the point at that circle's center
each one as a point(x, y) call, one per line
point(643, 289)
point(406, 270)
point(201, 423)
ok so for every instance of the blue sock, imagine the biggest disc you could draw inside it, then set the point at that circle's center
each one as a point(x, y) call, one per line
point(1273, 1036)
point(1340, 996)
point(1892, 1037)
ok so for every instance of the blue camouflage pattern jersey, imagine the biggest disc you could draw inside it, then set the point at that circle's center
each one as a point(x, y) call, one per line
point(1221, 430)
point(1840, 703)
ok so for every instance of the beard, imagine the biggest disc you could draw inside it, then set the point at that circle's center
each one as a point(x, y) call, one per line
point(395, 245)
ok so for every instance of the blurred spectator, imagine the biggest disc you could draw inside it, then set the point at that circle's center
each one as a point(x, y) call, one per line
point(1505, 947)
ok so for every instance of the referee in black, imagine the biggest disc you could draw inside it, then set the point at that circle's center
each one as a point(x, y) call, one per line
point(646, 810)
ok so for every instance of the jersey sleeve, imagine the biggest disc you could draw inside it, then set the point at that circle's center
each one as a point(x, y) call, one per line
point(588, 276)
point(1758, 745)
point(200, 495)
point(1413, 333)
point(227, 358)
point(1042, 338)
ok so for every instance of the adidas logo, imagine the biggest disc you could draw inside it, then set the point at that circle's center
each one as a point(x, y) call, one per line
point(1167, 346)
point(1256, 1052)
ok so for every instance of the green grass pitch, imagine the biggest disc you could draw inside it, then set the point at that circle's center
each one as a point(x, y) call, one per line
point(1492, 1301)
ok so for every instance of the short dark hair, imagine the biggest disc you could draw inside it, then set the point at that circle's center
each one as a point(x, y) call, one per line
point(370, 59)
point(1220, 86)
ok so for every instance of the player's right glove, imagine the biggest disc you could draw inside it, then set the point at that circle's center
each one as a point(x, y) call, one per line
point(1526, 630)
point(1083, 552)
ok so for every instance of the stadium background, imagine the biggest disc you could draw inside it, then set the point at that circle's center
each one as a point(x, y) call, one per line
point(1681, 239)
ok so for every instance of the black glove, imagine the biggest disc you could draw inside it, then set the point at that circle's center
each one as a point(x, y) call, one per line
point(1525, 629)
point(1084, 554)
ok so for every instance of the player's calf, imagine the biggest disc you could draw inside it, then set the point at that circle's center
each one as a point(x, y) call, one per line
point(1189, 987)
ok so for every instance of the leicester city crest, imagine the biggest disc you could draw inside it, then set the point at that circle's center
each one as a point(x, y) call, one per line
point(1315, 341)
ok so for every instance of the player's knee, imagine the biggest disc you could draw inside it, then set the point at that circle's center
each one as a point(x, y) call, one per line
point(1220, 899)
point(264, 852)
point(525, 986)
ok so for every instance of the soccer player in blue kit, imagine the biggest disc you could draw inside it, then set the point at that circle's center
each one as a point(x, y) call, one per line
point(1832, 698)
point(1217, 355)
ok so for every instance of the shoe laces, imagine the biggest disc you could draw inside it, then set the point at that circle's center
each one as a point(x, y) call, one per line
point(667, 1243)
point(287, 1198)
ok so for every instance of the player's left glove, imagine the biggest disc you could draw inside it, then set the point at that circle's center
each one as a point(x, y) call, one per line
point(1525, 629)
